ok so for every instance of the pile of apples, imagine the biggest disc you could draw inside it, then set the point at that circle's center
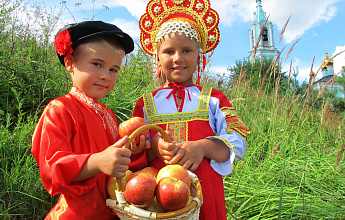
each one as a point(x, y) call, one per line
point(167, 189)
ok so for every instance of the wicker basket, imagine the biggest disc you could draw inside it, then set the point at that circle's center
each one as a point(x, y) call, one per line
point(125, 210)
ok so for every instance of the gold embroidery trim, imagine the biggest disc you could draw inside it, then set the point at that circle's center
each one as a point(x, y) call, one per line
point(149, 104)
point(179, 117)
point(179, 131)
point(177, 123)
point(204, 99)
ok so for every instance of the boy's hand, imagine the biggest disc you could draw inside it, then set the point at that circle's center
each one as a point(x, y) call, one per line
point(189, 155)
point(143, 145)
point(114, 160)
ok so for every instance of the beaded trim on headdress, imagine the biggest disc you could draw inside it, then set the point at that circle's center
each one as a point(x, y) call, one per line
point(194, 18)
point(181, 27)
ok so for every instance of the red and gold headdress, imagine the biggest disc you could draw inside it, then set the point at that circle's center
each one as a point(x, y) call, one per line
point(194, 18)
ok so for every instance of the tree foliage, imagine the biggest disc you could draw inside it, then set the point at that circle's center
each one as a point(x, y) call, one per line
point(341, 79)
point(262, 72)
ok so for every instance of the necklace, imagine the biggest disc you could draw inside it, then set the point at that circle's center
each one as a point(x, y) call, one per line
point(178, 102)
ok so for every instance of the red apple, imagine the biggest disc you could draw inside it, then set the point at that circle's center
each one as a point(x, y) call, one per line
point(172, 194)
point(111, 186)
point(140, 189)
point(129, 126)
point(176, 171)
point(151, 170)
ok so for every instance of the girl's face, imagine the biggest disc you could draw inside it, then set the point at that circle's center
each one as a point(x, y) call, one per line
point(178, 56)
point(94, 67)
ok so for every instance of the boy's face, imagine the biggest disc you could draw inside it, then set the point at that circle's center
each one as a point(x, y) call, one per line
point(178, 56)
point(94, 67)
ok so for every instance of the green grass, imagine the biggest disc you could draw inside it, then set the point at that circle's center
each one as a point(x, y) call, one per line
point(294, 167)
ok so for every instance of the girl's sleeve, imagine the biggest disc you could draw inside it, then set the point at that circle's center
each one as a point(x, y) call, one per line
point(52, 150)
point(229, 128)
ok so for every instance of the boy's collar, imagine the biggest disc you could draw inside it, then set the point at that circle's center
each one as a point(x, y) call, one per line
point(99, 108)
point(83, 97)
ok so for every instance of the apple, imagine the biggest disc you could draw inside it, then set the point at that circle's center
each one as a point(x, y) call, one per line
point(155, 207)
point(172, 194)
point(140, 189)
point(151, 170)
point(176, 171)
point(111, 186)
point(129, 126)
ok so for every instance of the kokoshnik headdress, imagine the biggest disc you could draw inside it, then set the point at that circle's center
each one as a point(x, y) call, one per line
point(195, 18)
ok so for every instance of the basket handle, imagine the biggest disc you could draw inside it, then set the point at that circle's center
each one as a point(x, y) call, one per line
point(136, 133)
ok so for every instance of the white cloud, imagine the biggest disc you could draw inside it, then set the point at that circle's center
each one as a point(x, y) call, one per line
point(304, 15)
point(135, 7)
point(218, 70)
point(129, 27)
point(339, 60)
point(231, 11)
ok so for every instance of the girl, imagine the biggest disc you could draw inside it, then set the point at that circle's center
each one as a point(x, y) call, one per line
point(208, 134)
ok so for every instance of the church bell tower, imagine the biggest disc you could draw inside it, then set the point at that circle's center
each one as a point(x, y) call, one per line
point(266, 45)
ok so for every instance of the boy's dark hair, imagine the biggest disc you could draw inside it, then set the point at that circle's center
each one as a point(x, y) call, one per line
point(106, 38)
point(79, 32)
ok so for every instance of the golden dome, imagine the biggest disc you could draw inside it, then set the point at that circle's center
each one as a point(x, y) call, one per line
point(326, 62)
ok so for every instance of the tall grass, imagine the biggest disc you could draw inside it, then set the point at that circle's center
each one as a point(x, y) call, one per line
point(293, 168)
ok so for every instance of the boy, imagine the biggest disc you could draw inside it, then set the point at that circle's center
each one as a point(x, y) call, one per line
point(76, 141)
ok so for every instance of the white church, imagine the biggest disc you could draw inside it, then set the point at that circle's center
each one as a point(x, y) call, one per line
point(327, 74)
point(266, 48)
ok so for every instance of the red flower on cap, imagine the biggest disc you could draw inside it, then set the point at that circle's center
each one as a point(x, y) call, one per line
point(63, 43)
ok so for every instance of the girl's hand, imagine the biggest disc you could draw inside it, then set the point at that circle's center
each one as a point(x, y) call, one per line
point(189, 155)
point(143, 145)
point(162, 149)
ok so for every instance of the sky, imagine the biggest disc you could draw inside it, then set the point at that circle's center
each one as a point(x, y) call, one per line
point(318, 24)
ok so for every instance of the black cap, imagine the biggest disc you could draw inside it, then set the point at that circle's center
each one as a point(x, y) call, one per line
point(86, 29)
